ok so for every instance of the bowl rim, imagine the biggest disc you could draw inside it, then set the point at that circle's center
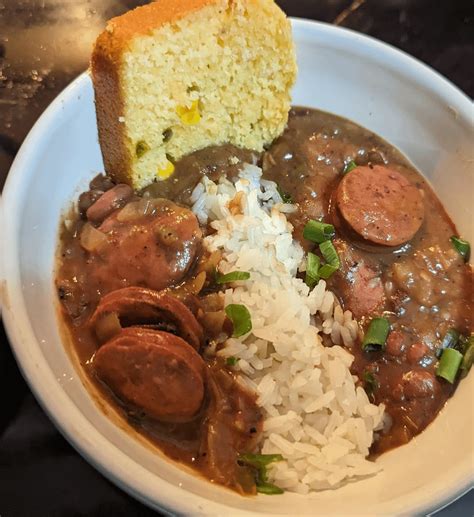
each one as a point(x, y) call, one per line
point(68, 419)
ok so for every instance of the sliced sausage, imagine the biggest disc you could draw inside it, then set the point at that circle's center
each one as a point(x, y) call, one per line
point(154, 371)
point(154, 249)
point(109, 201)
point(141, 306)
point(380, 204)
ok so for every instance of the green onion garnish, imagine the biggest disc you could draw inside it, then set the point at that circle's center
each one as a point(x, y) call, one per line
point(317, 231)
point(468, 357)
point(286, 198)
point(260, 462)
point(233, 276)
point(328, 251)
point(231, 361)
point(462, 247)
point(327, 270)
point(349, 167)
point(449, 363)
point(376, 334)
point(240, 317)
point(450, 340)
point(312, 267)
point(268, 489)
point(370, 382)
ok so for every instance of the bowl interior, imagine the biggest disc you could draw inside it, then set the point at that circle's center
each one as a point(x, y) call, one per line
point(341, 72)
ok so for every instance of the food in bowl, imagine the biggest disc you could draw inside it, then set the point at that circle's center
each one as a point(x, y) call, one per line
point(251, 320)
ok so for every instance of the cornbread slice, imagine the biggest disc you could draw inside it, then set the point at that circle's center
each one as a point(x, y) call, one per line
point(175, 76)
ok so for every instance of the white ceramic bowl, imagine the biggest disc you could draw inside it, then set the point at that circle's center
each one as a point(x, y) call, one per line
point(339, 71)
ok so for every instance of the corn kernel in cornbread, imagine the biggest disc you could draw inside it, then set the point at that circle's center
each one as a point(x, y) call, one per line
point(175, 76)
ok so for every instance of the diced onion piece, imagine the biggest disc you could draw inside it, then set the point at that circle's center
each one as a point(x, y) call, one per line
point(212, 302)
point(197, 283)
point(209, 264)
point(91, 238)
point(449, 363)
point(192, 286)
point(376, 334)
point(130, 212)
point(107, 326)
point(213, 322)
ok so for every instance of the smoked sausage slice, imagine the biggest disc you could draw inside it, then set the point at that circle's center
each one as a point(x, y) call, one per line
point(380, 204)
point(153, 247)
point(142, 306)
point(154, 371)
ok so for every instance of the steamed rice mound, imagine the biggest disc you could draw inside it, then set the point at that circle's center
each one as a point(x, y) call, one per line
point(315, 415)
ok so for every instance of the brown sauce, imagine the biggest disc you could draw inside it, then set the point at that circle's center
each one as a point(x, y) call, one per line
point(422, 287)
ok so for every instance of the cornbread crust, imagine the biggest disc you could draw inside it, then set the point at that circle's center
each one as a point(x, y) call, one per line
point(106, 61)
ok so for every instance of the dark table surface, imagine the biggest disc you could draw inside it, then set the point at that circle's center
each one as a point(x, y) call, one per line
point(45, 44)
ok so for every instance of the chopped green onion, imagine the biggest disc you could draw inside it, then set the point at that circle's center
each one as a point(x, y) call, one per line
point(370, 382)
point(462, 247)
point(231, 277)
point(260, 463)
point(450, 340)
point(328, 251)
point(317, 231)
point(376, 334)
point(312, 267)
point(269, 489)
point(349, 167)
point(240, 317)
point(327, 270)
point(449, 363)
point(260, 460)
point(141, 148)
point(468, 357)
point(286, 198)
point(231, 361)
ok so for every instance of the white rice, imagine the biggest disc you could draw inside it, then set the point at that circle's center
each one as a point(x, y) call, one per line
point(315, 416)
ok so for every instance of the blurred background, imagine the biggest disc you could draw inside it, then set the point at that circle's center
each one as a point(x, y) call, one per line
point(44, 45)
